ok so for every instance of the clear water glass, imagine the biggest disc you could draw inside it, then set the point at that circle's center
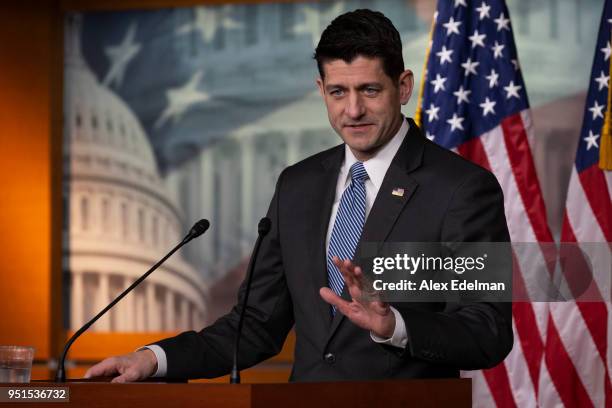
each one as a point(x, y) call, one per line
point(16, 364)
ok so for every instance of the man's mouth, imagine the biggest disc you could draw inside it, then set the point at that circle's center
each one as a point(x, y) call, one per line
point(358, 126)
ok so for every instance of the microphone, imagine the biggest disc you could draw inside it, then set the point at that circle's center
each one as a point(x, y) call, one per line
point(198, 229)
point(262, 229)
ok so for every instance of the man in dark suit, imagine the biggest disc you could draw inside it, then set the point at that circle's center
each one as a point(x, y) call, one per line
point(322, 209)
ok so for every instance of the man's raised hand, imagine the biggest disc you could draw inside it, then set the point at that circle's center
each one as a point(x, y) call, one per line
point(364, 311)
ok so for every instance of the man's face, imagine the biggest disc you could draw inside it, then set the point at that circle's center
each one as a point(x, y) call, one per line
point(363, 103)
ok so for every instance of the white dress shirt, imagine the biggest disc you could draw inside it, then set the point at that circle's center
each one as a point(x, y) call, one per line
point(376, 167)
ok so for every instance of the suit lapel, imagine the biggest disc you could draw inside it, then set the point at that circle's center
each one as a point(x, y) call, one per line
point(327, 183)
point(396, 189)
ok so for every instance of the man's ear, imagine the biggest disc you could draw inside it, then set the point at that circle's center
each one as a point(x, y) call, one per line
point(406, 84)
point(321, 87)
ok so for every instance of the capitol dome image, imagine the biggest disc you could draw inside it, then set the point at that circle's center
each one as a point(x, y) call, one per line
point(119, 215)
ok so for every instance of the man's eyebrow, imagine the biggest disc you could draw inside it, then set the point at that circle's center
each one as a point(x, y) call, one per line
point(369, 85)
point(334, 86)
point(359, 87)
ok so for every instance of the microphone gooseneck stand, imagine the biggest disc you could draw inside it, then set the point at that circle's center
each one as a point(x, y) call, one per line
point(198, 229)
point(262, 229)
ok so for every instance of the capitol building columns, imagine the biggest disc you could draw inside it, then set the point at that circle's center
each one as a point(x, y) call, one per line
point(153, 315)
point(207, 198)
point(250, 177)
point(248, 180)
point(126, 308)
point(76, 296)
point(149, 307)
point(169, 315)
point(102, 299)
point(184, 315)
point(139, 305)
point(121, 217)
point(293, 147)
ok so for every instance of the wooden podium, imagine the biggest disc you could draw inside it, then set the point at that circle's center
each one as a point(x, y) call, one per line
point(370, 394)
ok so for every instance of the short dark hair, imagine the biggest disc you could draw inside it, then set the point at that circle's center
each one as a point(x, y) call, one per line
point(364, 33)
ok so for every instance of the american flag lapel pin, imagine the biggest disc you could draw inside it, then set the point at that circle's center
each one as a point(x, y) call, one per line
point(398, 192)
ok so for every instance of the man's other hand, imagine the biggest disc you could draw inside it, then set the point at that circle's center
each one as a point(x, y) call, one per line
point(130, 367)
point(364, 311)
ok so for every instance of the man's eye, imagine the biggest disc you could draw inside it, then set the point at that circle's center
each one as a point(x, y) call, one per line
point(337, 92)
point(371, 91)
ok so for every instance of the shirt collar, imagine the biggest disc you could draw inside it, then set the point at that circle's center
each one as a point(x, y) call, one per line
point(377, 165)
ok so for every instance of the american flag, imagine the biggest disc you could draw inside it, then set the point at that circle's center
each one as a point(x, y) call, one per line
point(577, 352)
point(474, 102)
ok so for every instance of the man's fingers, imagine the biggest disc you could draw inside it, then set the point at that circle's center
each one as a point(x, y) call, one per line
point(104, 368)
point(130, 367)
point(359, 277)
point(348, 271)
point(346, 268)
point(130, 375)
point(354, 290)
point(330, 297)
point(352, 271)
point(355, 280)
point(120, 379)
point(88, 373)
point(342, 264)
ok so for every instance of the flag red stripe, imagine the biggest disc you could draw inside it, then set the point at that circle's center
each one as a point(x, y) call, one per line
point(567, 233)
point(594, 314)
point(474, 151)
point(596, 190)
point(499, 384)
point(521, 161)
point(531, 342)
point(567, 382)
point(527, 330)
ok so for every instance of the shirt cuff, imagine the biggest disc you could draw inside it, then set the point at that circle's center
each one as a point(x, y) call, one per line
point(399, 337)
point(160, 355)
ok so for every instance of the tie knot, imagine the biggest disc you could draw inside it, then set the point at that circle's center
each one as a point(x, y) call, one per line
point(358, 172)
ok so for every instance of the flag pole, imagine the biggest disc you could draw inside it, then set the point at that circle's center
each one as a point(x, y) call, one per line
point(605, 150)
point(419, 109)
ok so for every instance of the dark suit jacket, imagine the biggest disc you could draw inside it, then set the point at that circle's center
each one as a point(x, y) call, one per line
point(446, 199)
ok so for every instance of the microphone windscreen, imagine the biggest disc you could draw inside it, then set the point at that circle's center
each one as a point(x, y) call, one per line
point(199, 228)
point(264, 226)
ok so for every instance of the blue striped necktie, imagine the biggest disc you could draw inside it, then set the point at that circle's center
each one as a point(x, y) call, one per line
point(347, 226)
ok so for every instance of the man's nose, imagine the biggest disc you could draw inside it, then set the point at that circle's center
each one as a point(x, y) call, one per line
point(354, 108)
